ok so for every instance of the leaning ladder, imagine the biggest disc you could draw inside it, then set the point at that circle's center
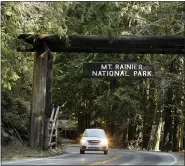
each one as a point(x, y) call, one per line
point(53, 128)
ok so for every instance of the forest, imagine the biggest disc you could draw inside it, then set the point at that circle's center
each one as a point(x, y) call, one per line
point(128, 109)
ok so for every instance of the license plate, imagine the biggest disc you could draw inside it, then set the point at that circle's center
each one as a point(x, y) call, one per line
point(93, 146)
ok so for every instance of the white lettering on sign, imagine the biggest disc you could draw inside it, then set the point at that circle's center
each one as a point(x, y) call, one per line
point(110, 73)
point(106, 66)
point(125, 66)
point(94, 73)
point(140, 67)
point(124, 73)
point(143, 73)
point(119, 70)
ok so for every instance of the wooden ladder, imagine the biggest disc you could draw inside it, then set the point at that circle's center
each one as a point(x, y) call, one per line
point(53, 126)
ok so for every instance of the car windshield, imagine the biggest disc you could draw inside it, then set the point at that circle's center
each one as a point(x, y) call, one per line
point(94, 133)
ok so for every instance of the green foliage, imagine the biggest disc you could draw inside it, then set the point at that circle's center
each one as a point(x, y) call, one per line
point(15, 115)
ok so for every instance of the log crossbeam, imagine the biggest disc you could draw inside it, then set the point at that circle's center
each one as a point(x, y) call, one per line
point(103, 44)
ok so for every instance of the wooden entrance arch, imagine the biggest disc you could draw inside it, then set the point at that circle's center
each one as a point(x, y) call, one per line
point(43, 45)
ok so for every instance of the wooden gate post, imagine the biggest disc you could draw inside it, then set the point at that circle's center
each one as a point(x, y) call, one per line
point(37, 117)
point(48, 104)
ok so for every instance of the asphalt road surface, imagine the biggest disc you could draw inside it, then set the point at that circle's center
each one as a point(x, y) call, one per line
point(115, 157)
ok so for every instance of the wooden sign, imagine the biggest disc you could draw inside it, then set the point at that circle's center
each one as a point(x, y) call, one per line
point(109, 69)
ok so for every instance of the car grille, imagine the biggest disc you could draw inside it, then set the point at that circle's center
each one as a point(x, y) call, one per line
point(94, 141)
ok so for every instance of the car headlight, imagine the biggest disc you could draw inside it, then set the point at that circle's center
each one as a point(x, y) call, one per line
point(104, 141)
point(83, 141)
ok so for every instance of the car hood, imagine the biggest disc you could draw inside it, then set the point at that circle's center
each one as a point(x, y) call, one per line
point(92, 138)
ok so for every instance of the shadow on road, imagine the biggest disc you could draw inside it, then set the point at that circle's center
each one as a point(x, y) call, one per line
point(89, 153)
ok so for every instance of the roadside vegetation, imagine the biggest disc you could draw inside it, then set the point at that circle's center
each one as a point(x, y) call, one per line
point(16, 150)
point(126, 108)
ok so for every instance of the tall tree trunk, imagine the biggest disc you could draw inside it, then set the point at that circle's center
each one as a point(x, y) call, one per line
point(159, 115)
point(168, 119)
point(157, 137)
point(147, 113)
point(181, 133)
point(156, 109)
point(125, 134)
point(81, 121)
point(182, 103)
point(131, 132)
point(178, 102)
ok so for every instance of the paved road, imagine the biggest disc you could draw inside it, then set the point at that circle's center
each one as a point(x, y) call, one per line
point(115, 157)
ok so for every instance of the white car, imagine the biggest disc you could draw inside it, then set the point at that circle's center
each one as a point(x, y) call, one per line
point(94, 140)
